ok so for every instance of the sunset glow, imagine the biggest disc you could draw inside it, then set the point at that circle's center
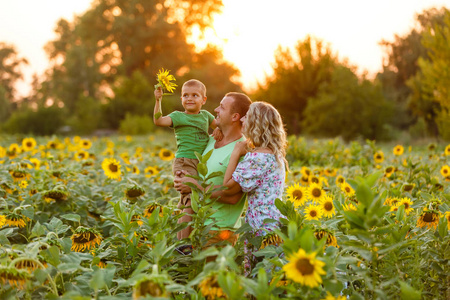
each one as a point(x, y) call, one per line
point(247, 31)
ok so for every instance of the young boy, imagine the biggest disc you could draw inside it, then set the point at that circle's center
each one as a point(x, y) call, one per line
point(191, 133)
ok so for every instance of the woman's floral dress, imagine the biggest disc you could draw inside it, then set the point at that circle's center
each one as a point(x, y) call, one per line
point(262, 178)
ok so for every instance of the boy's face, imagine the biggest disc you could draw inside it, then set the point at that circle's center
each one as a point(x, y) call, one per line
point(192, 99)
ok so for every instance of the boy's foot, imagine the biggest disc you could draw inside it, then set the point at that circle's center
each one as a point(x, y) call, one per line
point(184, 250)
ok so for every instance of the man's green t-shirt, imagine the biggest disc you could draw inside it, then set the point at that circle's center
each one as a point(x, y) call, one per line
point(191, 132)
point(227, 215)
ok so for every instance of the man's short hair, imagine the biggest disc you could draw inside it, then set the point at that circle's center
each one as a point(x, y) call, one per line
point(241, 103)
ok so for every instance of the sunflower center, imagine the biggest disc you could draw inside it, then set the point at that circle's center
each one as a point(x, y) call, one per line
point(389, 170)
point(313, 213)
point(347, 189)
point(406, 205)
point(315, 180)
point(113, 167)
point(166, 153)
point(316, 192)
point(378, 156)
point(297, 194)
point(445, 171)
point(304, 266)
point(29, 144)
point(428, 217)
point(328, 206)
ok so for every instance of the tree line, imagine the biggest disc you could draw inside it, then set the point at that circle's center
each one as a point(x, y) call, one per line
point(103, 65)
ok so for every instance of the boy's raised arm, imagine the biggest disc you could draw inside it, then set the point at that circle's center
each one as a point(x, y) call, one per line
point(158, 118)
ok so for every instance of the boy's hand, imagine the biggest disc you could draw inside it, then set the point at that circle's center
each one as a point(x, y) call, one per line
point(241, 148)
point(158, 93)
point(217, 134)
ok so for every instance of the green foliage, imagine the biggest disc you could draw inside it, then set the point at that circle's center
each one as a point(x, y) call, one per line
point(44, 121)
point(432, 83)
point(10, 73)
point(86, 117)
point(348, 107)
point(136, 125)
point(296, 80)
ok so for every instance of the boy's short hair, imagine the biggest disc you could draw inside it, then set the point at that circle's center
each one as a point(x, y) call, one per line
point(241, 103)
point(197, 83)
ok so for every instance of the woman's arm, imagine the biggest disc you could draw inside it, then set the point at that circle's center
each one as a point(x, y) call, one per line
point(239, 150)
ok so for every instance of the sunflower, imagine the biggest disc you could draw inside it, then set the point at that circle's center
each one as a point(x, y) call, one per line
point(306, 171)
point(389, 171)
point(296, 194)
point(36, 163)
point(149, 210)
point(271, 239)
point(55, 195)
point(429, 219)
point(378, 157)
point(330, 172)
point(327, 207)
point(315, 179)
point(398, 150)
point(164, 80)
point(347, 189)
point(28, 144)
point(331, 297)
point(315, 193)
point(210, 288)
point(447, 216)
point(111, 167)
point(447, 150)
point(304, 268)
point(304, 180)
point(408, 187)
point(2, 152)
point(150, 171)
point(108, 152)
point(19, 175)
point(2, 220)
point(15, 148)
point(27, 264)
point(81, 155)
point(85, 144)
point(54, 144)
point(14, 277)
point(431, 147)
point(166, 154)
point(134, 192)
point(149, 288)
point(313, 212)
point(340, 180)
point(136, 170)
point(16, 220)
point(85, 238)
point(23, 184)
point(445, 171)
point(331, 239)
point(407, 203)
point(349, 207)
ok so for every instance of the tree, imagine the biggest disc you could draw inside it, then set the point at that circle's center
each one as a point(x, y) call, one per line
point(295, 80)
point(432, 83)
point(116, 38)
point(10, 73)
point(401, 65)
point(347, 106)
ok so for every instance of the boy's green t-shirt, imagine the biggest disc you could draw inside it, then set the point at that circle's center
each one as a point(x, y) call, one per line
point(227, 215)
point(191, 132)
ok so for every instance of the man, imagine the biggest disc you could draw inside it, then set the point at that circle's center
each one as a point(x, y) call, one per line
point(228, 211)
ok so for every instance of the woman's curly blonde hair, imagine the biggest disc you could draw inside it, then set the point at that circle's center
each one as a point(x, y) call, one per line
point(264, 128)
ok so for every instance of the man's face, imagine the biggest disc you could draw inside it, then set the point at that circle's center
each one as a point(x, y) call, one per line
point(223, 112)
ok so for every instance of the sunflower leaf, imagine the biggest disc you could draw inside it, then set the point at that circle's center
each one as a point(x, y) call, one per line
point(158, 115)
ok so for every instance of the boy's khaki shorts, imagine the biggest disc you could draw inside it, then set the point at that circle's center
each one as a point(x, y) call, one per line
point(189, 165)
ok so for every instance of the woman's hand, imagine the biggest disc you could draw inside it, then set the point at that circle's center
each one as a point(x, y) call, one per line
point(158, 93)
point(241, 148)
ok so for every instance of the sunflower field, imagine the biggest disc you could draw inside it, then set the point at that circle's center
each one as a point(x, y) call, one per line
point(97, 218)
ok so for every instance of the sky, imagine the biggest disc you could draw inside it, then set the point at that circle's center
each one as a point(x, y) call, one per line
point(249, 31)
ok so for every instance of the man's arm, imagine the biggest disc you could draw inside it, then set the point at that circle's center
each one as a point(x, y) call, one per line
point(228, 196)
